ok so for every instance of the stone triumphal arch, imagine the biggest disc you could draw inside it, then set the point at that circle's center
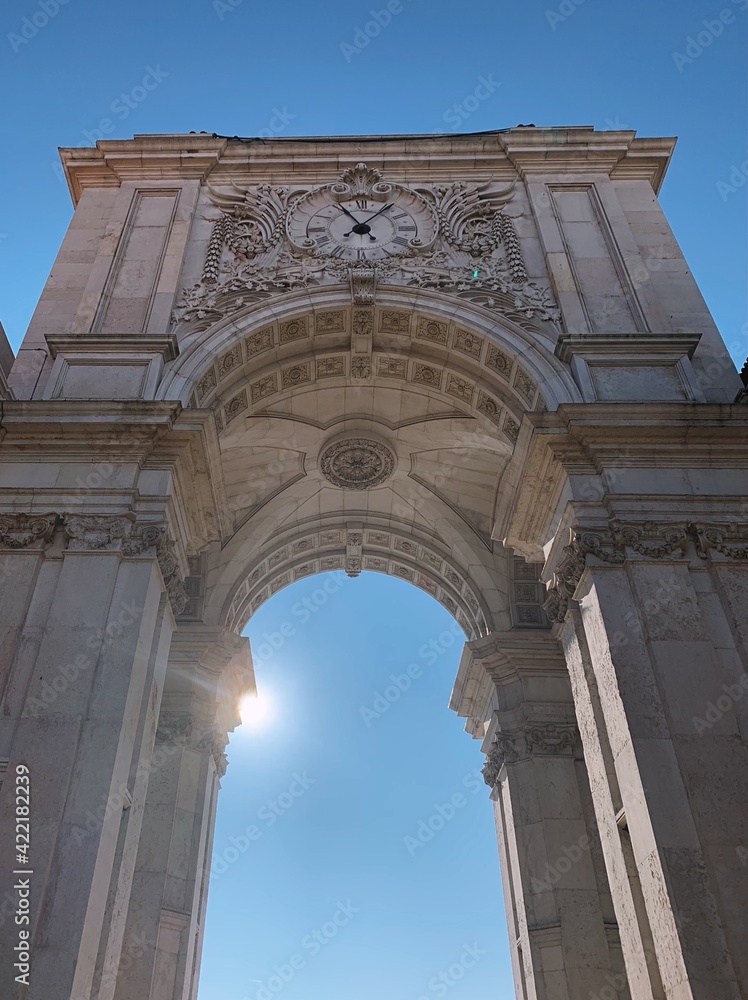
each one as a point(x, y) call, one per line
point(478, 363)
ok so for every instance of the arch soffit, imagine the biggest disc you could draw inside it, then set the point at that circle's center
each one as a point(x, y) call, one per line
point(351, 546)
point(425, 340)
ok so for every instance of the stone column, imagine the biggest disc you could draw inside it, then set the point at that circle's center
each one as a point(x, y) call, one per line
point(86, 662)
point(209, 671)
point(659, 616)
point(639, 512)
point(564, 936)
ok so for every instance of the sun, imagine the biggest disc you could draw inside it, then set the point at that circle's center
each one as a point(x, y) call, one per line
point(255, 711)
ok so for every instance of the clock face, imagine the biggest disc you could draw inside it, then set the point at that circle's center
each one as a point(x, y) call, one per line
point(361, 228)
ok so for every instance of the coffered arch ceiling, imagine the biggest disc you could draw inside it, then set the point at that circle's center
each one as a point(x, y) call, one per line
point(436, 393)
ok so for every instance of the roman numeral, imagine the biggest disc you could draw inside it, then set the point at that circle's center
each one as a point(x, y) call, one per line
point(337, 252)
point(362, 203)
point(399, 215)
point(360, 255)
point(406, 229)
point(316, 229)
point(400, 241)
point(322, 240)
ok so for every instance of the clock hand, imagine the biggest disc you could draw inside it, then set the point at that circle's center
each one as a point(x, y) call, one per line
point(353, 217)
point(386, 207)
point(348, 214)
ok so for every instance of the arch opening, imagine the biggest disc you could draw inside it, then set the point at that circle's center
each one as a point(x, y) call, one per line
point(360, 685)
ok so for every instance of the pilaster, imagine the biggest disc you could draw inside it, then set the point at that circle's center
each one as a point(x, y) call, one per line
point(209, 671)
point(563, 935)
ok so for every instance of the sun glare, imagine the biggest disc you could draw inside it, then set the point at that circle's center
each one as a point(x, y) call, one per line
point(255, 711)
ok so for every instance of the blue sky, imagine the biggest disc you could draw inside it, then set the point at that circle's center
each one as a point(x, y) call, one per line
point(238, 67)
point(361, 789)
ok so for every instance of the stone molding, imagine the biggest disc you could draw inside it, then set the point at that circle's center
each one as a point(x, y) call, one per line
point(100, 533)
point(578, 444)
point(648, 539)
point(546, 739)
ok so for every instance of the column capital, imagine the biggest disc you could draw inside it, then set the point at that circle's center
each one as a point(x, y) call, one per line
point(210, 671)
point(636, 541)
point(536, 739)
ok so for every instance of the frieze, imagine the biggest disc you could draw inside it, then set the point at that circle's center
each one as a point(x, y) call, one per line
point(651, 539)
point(214, 743)
point(502, 750)
point(174, 727)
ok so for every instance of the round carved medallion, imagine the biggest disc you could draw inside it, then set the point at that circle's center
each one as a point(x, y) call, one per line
point(356, 463)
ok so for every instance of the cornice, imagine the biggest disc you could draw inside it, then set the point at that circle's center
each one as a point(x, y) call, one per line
point(59, 428)
point(500, 155)
point(152, 157)
point(584, 439)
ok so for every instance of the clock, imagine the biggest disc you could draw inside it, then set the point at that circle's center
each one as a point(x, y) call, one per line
point(370, 225)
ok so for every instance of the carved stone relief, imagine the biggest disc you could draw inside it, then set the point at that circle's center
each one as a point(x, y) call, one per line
point(537, 739)
point(647, 539)
point(471, 250)
point(356, 463)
